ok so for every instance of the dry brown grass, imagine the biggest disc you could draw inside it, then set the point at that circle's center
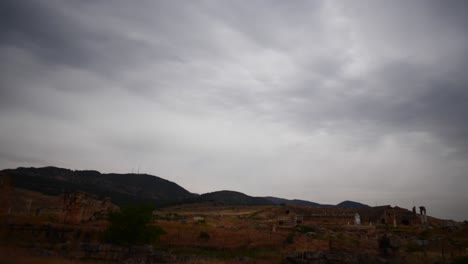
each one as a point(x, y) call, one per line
point(235, 234)
point(221, 236)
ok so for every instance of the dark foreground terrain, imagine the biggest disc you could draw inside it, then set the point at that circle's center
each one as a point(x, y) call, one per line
point(42, 228)
point(72, 227)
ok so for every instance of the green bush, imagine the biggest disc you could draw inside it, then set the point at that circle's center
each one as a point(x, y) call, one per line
point(131, 226)
point(204, 235)
point(460, 260)
point(290, 238)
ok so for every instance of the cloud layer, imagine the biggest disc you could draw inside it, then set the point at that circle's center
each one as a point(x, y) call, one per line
point(319, 100)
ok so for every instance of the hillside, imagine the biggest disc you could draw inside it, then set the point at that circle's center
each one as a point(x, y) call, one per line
point(233, 198)
point(121, 188)
point(351, 204)
point(135, 188)
point(279, 201)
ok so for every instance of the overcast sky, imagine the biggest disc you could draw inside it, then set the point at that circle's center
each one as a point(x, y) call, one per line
point(318, 100)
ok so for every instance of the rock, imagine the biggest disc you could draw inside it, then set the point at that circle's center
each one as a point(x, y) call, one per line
point(314, 255)
point(80, 206)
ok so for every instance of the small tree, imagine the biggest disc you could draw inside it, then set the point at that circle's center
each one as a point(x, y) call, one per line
point(131, 226)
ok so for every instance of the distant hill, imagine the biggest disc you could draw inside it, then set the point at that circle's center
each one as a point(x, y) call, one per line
point(278, 201)
point(121, 188)
point(351, 204)
point(135, 188)
point(233, 198)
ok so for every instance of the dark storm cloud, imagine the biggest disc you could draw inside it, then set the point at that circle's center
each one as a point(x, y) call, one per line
point(397, 95)
point(44, 30)
point(56, 33)
point(409, 98)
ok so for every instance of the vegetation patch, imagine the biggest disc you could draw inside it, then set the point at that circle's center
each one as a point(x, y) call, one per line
point(204, 236)
point(131, 226)
point(258, 252)
point(306, 229)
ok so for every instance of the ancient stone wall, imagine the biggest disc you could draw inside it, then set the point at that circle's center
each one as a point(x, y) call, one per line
point(79, 207)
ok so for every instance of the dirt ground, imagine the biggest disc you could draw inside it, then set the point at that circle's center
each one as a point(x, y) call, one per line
point(213, 233)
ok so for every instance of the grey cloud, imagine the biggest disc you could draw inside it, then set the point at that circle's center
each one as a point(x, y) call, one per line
point(71, 34)
point(257, 20)
point(398, 98)
point(398, 95)
point(45, 30)
point(331, 94)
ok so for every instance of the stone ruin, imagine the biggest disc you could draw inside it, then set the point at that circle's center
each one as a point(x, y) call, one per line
point(395, 216)
point(70, 207)
point(290, 219)
point(422, 210)
point(79, 207)
point(357, 219)
point(390, 216)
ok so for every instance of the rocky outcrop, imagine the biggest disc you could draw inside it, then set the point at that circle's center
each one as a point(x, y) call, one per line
point(80, 206)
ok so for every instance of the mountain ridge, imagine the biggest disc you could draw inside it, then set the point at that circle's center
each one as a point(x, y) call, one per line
point(351, 204)
point(136, 188)
point(233, 198)
point(279, 201)
point(121, 188)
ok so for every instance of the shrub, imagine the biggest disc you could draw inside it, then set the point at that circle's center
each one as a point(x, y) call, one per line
point(460, 260)
point(306, 229)
point(204, 235)
point(290, 238)
point(131, 226)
